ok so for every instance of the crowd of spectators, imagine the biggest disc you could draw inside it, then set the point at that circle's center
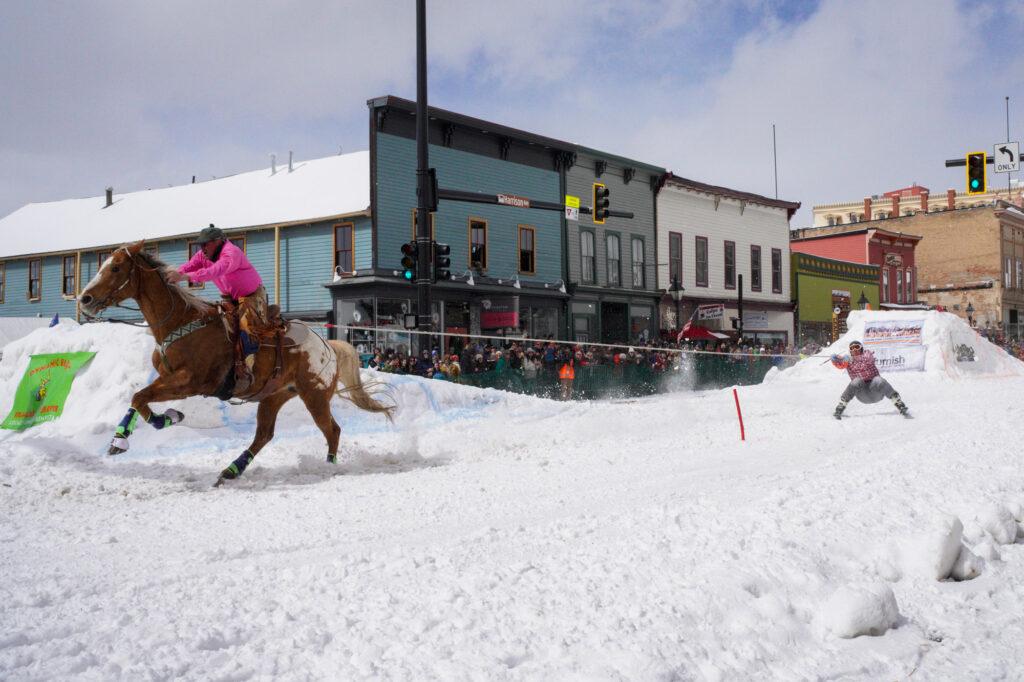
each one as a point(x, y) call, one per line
point(532, 358)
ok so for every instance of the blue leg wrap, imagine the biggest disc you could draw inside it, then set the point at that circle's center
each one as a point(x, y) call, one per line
point(159, 421)
point(236, 468)
point(127, 424)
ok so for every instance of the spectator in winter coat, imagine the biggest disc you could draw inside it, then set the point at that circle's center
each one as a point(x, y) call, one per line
point(866, 384)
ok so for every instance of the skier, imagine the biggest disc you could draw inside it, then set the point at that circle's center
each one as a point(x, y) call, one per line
point(866, 384)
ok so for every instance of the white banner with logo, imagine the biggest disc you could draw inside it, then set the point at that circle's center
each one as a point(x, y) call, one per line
point(711, 311)
point(755, 319)
point(896, 344)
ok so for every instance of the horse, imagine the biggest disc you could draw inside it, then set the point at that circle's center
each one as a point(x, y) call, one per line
point(195, 354)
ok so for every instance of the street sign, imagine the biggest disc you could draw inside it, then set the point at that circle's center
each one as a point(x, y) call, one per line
point(514, 200)
point(1006, 157)
point(572, 207)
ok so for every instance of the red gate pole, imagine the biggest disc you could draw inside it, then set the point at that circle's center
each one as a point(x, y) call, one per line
point(736, 396)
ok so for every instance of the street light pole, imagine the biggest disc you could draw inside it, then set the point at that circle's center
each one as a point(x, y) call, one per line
point(424, 318)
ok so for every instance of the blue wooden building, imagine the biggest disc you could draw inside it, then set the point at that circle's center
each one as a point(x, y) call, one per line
point(289, 219)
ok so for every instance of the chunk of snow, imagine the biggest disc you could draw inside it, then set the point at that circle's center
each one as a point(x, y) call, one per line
point(1000, 524)
point(860, 610)
point(987, 551)
point(967, 565)
point(934, 554)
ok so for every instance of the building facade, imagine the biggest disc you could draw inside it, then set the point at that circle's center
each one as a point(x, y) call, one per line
point(972, 261)
point(885, 244)
point(908, 201)
point(279, 216)
point(610, 265)
point(709, 238)
point(825, 290)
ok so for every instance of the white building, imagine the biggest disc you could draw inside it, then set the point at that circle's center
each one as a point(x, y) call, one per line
point(708, 237)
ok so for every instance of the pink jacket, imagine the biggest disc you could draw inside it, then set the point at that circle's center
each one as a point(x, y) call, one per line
point(233, 274)
point(862, 366)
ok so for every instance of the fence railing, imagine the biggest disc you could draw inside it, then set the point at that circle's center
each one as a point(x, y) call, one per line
point(693, 372)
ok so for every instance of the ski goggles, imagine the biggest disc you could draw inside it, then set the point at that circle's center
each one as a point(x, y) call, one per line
point(856, 346)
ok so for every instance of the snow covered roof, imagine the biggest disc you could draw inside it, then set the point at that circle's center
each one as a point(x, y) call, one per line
point(320, 188)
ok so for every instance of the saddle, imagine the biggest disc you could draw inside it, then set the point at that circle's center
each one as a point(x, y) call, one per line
point(241, 383)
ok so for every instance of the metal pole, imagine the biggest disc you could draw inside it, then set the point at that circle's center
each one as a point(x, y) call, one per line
point(1008, 139)
point(423, 310)
point(739, 305)
point(775, 161)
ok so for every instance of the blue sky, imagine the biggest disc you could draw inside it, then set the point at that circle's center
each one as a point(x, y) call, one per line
point(867, 96)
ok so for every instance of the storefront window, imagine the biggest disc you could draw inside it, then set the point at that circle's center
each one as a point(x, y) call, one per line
point(584, 320)
point(356, 313)
point(391, 316)
point(639, 323)
point(538, 322)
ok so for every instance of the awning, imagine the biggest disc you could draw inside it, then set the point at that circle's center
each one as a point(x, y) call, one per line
point(695, 332)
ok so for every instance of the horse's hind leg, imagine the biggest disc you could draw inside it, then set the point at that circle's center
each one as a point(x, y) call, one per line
point(318, 402)
point(266, 418)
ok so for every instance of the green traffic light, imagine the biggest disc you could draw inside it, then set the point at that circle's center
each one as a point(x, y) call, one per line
point(407, 274)
point(974, 184)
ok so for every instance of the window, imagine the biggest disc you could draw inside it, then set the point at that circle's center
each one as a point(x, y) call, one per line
point(3, 281)
point(911, 293)
point(700, 257)
point(35, 279)
point(614, 260)
point(853, 218)
point(101, 258)
point(755, 268)
point(68, 282)
point(730, 264)
point(638, 263)
point(776, 271)
point(675, 259)
point(344, 248)
point(885, 285)
point(1008, 274)
point(527, 250)
point(831, 220)
point(239, 242)
point(433, 222)
point(478, 244)
point(1020, 278)
point(899, 285)
point(587, 257)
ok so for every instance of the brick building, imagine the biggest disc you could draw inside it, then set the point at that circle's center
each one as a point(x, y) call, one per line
point(890, 245)
point(974, 256)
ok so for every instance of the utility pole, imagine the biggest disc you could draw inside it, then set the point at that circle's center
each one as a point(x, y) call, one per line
point(739, 305)
point(424, 318)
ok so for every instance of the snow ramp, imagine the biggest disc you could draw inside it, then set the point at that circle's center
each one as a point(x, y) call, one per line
point(952, 350)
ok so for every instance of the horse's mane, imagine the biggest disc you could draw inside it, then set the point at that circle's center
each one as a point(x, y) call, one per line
point(187, 297)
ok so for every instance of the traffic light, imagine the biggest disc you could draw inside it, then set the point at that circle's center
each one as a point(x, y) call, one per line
point(442, 262)
point(601, 203)
point(410, 257)
point(976, 162)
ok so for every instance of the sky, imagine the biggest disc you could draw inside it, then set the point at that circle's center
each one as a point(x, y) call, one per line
point(866, 96)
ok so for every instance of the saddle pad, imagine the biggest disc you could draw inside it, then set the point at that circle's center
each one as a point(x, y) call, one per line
point(296, 333)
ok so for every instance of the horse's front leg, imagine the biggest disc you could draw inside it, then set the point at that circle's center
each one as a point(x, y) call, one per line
point(170, 387)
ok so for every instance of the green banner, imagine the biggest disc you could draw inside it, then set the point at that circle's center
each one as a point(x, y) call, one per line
point(44, 388)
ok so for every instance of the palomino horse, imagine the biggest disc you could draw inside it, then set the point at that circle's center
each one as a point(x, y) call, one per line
point(195, 355)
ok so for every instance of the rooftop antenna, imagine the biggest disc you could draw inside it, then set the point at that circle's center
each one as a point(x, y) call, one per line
point(339, 149)
point(290, 169)
point(273, 164)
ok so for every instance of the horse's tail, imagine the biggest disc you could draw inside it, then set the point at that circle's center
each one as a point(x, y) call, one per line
point(351, 385)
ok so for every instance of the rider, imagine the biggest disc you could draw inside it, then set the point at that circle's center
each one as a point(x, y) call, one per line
point(221, 262)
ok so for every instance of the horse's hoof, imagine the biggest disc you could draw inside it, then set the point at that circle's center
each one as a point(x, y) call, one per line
point(230, 474)
point(175, 416)
point(118, 445)
point(332, 458)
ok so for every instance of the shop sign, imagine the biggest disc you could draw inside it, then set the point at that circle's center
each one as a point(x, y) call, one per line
point(500, 312)
point(755, 319)
point(711, 311)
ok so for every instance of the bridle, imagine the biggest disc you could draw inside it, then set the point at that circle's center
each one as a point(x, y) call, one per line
point(105, 303)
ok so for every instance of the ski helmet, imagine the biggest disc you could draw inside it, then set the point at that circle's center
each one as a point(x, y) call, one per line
point(856, 344)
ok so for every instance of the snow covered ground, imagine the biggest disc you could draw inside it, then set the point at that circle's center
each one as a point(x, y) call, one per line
point(494, 536)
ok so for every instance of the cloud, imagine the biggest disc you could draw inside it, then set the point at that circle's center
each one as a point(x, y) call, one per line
point(866, 96)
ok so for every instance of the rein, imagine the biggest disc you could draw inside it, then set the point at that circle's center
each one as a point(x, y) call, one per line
point(105, 303)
